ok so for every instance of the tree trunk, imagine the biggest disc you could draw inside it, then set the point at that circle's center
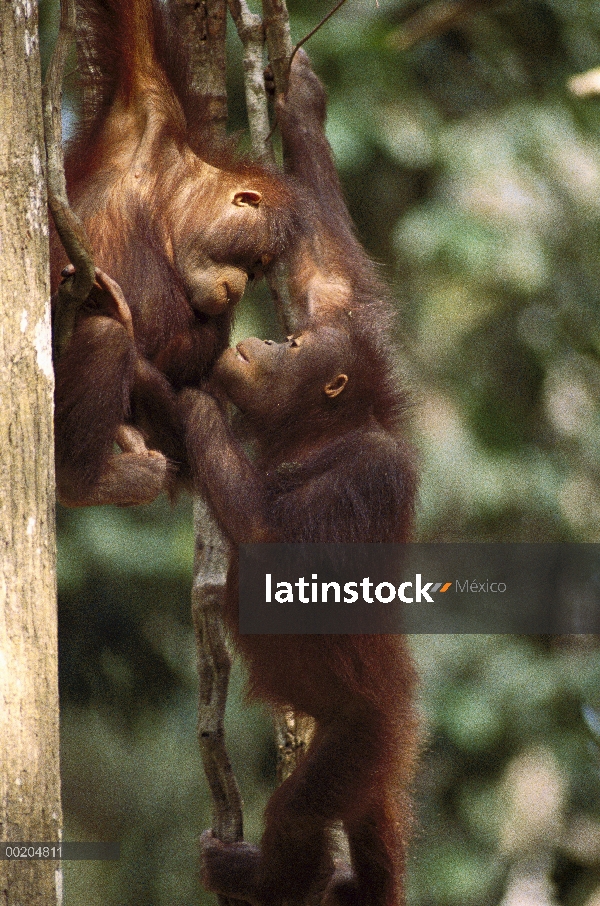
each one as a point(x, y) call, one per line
point(29, 748)
point(203, 31)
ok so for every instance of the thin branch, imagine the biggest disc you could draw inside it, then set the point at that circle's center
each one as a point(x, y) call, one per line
point(252, 35)
point(292, 733)
point(276, 22)
point(203, 27)
point(69, 227)
point(313, 31)
point(211, 561)
point(279, 41)
point(214, 663)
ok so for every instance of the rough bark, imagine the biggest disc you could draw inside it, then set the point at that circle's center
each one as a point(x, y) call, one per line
point(203, 28)
point(252, 35)
point(29, 748)
point(211, 560)
point(277, 30)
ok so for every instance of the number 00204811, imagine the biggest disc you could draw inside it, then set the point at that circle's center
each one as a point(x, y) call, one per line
point(30, 850)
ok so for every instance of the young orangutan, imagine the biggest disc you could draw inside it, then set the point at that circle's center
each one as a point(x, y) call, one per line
point(330, 465)
point(179, 225)
point(326, 470)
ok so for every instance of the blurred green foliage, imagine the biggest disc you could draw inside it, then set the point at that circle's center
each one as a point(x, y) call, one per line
point(473, 176)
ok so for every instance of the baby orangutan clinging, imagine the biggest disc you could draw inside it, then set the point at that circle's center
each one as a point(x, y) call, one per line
point(326, 470)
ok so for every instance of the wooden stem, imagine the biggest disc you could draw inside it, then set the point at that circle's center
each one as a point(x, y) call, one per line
point(279, 41)
point(252, 35)
point(69, 227)
point(202, 29)
point(211, 562)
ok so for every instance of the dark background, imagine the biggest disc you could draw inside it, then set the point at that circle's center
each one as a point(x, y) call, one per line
point(473, 176)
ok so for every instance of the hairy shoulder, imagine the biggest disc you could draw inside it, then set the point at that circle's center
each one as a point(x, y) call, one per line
point(359, 489)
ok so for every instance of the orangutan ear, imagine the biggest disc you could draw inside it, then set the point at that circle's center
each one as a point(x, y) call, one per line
point(247, 199)
point(335, 387)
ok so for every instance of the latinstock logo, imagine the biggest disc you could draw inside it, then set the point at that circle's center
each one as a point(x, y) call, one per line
point(313, 592)
point(422, 592)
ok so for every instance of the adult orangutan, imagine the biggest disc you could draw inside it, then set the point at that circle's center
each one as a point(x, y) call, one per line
point(180, 225)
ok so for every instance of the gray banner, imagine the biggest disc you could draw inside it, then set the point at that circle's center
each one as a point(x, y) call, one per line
point(419, 588)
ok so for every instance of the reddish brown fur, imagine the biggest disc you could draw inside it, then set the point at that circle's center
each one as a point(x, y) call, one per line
point(179, 235)
point(347, 479)
point(331, 465)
